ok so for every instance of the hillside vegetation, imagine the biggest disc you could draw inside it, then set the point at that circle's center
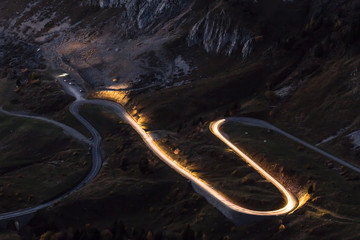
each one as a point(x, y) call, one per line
point(187, 63)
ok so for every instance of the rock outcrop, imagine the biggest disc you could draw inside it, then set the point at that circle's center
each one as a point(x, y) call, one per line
point(216, 32)
point(142, 12)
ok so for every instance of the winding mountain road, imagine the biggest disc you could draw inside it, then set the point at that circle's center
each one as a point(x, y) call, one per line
point(96, 159)
point(223, 203)
point(233, 211)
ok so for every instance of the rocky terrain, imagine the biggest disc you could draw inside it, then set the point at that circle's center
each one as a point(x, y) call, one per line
point(293, 63)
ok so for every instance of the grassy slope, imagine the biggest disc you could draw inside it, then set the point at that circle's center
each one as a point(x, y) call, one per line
point(157, 199)
point(329, 210)
point(203, 153)
point(332, 188)
point(210, 98)
point(35, 162)
point(239, 90)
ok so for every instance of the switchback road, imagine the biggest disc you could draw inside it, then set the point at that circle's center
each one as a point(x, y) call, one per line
point(233, 211)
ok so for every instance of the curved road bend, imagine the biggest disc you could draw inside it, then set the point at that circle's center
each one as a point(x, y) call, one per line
point(95, 168)
point(223, 203)
point(69, 130)
point(263, 124)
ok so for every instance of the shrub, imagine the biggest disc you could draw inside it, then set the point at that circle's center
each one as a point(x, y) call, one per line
point(271, 96)
point(318, 51)
point(46, 236)
point(259, 38)
point(33, 76)
point(355, 29)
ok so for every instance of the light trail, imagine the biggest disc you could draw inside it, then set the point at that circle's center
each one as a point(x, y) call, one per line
point(291, 201)
point(222, 202)
point(205, 188)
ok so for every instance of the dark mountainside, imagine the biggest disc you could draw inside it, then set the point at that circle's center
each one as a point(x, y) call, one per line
point(295, 64)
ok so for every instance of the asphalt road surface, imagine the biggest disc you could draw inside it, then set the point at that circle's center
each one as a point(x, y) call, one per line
point(223, 203)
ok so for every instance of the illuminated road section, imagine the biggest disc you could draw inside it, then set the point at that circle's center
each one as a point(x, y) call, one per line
point(291, 204)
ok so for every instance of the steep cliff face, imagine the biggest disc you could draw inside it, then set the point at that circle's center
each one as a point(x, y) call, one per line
point(142, 12)
point(216, 32)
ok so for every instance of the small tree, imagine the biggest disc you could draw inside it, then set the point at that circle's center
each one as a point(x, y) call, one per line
point(179, 127)
point(46, 236)
point(271, 96)
point(144, 166)
point(188, 234)
point(118, 230)
point(318, 51)
point(124, 164)
point(33, 76)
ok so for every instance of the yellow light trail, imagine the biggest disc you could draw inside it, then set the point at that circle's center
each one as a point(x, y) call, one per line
point(291, 204)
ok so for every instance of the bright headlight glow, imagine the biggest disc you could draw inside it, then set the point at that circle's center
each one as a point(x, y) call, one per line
point(63, 75)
